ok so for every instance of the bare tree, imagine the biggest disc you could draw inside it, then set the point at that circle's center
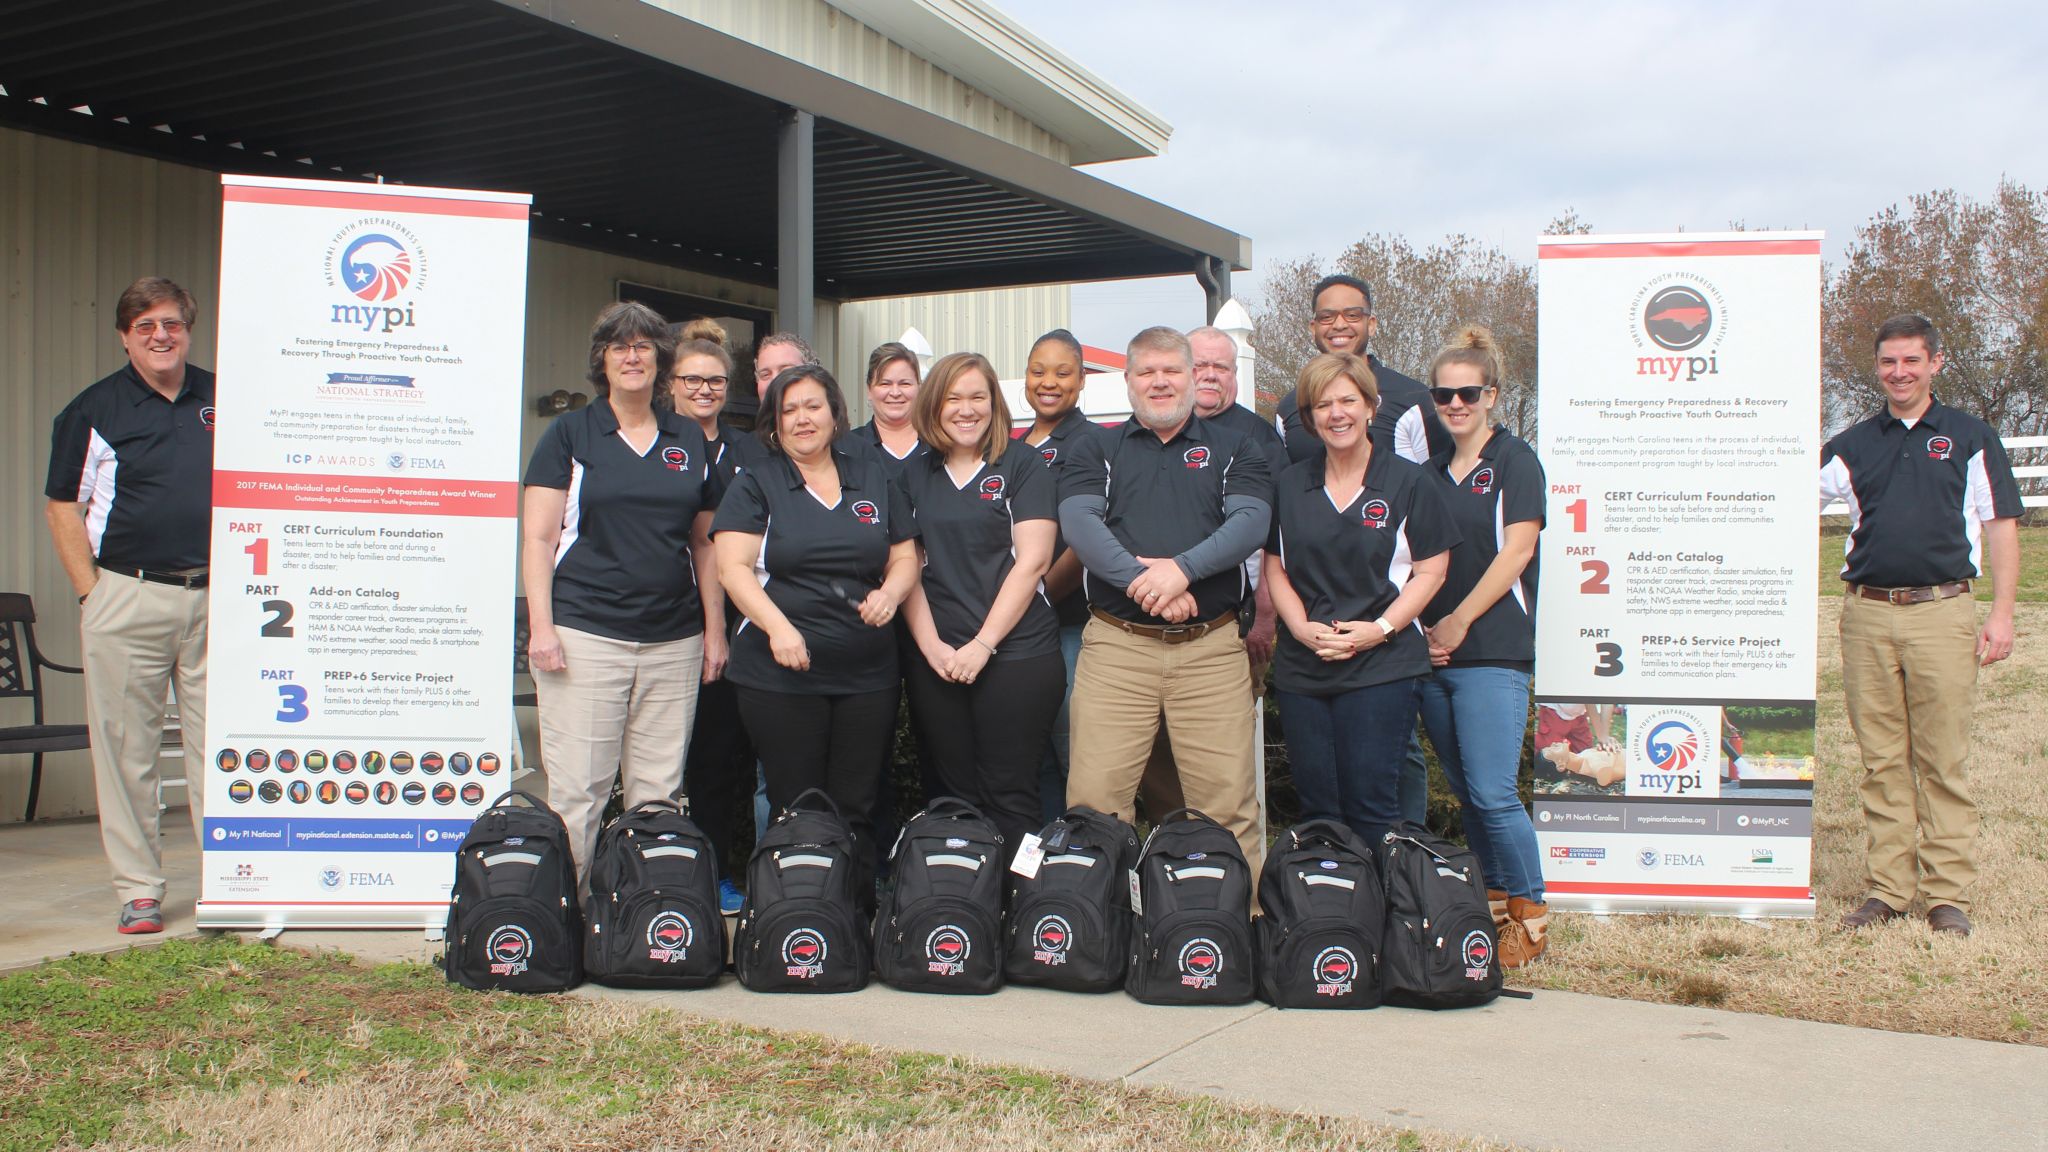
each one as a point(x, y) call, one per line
point(1980, 272)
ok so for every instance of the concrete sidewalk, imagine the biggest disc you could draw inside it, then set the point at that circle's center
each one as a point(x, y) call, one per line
point(1567, 1071)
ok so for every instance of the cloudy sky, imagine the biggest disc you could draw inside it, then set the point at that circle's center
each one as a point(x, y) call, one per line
point(1307, 125)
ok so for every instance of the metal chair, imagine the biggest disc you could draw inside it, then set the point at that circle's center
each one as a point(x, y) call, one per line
point(21, 674)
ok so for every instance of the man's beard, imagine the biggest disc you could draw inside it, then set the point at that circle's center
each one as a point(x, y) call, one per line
point(1173, 419)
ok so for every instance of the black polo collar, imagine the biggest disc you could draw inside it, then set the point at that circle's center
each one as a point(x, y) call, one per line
point(793, 477)
point(607, 421)
point(1195, 429)
point(142, 390)
point(1934, 417)
point(1065, 428)
point(1312, 477)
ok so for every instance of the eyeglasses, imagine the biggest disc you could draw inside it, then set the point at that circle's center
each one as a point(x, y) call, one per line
point(149, 327)
point(642, 348)
point(702, 383)
point(1470, 394)
point(1325, 317)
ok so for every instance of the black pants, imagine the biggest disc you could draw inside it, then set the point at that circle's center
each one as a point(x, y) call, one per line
point(718, 776)
point(985, 739)
point(834, 743)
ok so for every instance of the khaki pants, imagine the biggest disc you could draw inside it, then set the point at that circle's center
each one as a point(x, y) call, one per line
point(137, 638)
point(618, 710)
point(1123, 686)
point(1909, 672)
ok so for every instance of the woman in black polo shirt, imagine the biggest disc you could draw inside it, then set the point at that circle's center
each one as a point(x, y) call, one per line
point(616, 525)
point(816, 548)
point(988, 676)
point(719, 769)
point(1053, 379)
point(892, 390)
point(1358, 545)
point(1482, 633)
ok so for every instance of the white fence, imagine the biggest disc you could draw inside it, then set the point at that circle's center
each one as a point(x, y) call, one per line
point(2021, 473)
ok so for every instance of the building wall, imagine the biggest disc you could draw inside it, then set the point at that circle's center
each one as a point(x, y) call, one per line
point(1000, 325)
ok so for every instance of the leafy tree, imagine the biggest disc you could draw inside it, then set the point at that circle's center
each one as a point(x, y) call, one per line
point(1980, 272)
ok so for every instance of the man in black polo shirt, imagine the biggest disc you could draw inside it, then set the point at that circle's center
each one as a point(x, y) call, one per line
point(131, 512)
point(1931, 498)
point(1162, 512)
point(1406, 422)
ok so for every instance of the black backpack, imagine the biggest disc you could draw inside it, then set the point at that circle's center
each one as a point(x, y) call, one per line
point(1193, 939)
point(1441, 950)
point(653, 919)
point(1324, 915)
point(514, 922)
point(802, 929)
point(1070, 925)
point(940, 928)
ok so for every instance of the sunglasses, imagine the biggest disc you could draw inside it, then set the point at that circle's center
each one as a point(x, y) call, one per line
point(1470, 393)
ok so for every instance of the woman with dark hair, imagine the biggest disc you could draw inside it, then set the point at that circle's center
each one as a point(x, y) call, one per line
point(892, 390)
point(1482, 634)
point(1053, 379)
point(1359, 543)
point(719, 769)
point(816, 551)
point(616, 525)
point(988, 676)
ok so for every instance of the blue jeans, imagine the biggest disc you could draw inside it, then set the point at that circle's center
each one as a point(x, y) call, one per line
point(1347, 753)
point(1476, 718)
point(1052, 772)
point(1415, 782)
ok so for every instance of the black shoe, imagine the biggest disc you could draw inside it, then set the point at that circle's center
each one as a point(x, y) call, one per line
point(1874, 911)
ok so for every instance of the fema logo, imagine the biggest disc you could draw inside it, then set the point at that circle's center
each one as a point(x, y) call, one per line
point(1196, 457)
point(510, 949)
point(992, 487)
point(376, 266)
point(1050, 940)
point(803, 954)
point(206, 418)
point(1678, 318)
point(866, 512)
point(396, 460)
point(1335, 969)
point(669, 937)
point(675, 458)
point(1200, 961)
point(946, 951)
point(1939, 447)
point(1646, 859)
point(1477, 950)
point(1050, 454)
point(330, 878)
point(1375, 514)
point(1482, 482)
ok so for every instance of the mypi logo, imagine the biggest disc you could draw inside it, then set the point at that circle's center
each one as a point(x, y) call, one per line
point(376, 266)
point(1679, 315)
point(1672, 746)
point(1678, 318)
point(1672, 752)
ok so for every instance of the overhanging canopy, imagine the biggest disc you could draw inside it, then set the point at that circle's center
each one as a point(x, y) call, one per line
point(636, 130)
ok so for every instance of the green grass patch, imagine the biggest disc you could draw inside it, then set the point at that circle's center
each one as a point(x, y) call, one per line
point(2033, 561)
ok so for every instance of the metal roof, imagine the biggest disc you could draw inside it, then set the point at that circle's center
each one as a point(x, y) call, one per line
point(636, 131)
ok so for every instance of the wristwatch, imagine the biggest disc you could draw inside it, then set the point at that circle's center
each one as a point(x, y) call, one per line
point(1386, 629)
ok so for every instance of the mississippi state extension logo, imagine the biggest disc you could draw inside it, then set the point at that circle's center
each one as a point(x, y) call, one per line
point(510, 949)
point(1478, 953)
point(669, 937)
point(946, 950)
point(376, 266)
point(1375, 514)
point(1678, 318)
point(803, 954)
point(675, 458)
point(1200, 961)
point(1481, 482)
point(1196, 457)
point(1939, 447)
point(866, 512)
point(992, 488)
point(1335, 969)
point(1050, 941)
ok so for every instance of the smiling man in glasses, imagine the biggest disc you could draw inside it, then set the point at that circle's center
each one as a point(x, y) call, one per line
point(1343, 321)
point(131, 509)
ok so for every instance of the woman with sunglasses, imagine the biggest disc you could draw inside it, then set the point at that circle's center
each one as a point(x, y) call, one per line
point(1482, 633)
point(1358, 546)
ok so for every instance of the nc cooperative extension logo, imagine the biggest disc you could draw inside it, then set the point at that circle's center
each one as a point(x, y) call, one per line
point(375, 260)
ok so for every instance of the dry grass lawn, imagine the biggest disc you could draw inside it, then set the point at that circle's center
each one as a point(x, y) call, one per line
point(1992, 986)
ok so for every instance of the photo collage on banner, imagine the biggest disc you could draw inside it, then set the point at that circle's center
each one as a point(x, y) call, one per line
point(1680, 431)
point(365, 533)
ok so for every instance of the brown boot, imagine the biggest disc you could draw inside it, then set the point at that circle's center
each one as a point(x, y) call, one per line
point(1527, 933)
point(1497, 903)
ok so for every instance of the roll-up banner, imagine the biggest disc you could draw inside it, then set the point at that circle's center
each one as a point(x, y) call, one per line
point(1675, 635)
point(365, 528)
